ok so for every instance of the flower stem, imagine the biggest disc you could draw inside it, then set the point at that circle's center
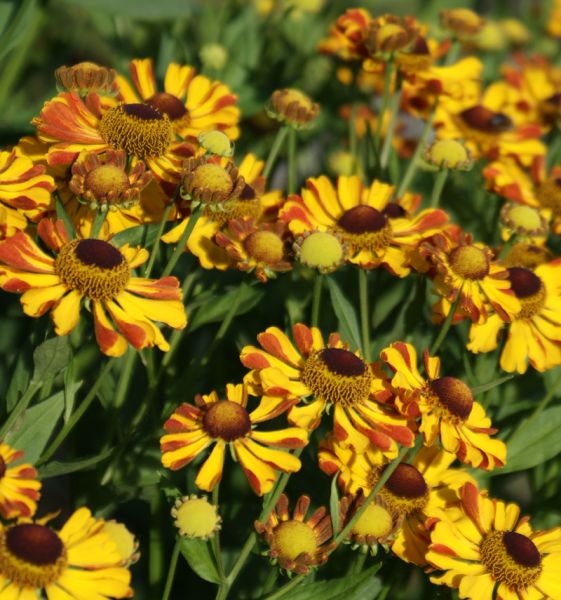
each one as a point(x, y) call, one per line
point(292, 161)
point(364, 312)
point(216, 536)
point(286, 588)
point(171, 570)
point(156, 559)
point(125, 379)
point(20, 407)
point(180, 248)
point(508, 245)
point(316, 298)
point(77, 414)
point(388, 73)
point(447, 323)
point(437, 188)
point(353, 146)
point(275, 148)
point(156, 245)
point(387, 146)
point(98, 223)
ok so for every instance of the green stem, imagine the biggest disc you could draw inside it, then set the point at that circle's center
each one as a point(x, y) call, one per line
point(292, 175)
point(413, 163)
point(287, 587)
point(364, 312)
point(353, 145)
point(275, 149)
point(437, 188)
point(156, 245)
point(98, 223)
point(77, 414)
point(19, 408)
point(507, 246)
point(388, 73)
point(156, 559)
point(447, 323)
point(316, 298)
point(125, 379)
point(387, 146)
point(171, 570)
point(180, 248)
point(216, 536)
point(358, 565)
point(524, 425)
point(270, 581)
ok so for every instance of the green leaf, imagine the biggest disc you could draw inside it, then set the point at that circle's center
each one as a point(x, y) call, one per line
point(55, 468)
point(484, 387)
point(19, 26)
point(63, 216)
point(361, 586)
point(20, 380)
point(35, 427)
point(199, 556)
point(141, 235)
point(215, 310)
point(50, 357)
point(536, 443)
point(334, 503)
point(345, 314)
point(139, 9)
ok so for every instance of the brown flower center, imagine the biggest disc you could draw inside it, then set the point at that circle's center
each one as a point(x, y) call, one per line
point(529, 289)
point(95, 268)
point(31, 555)
point(394, 210)
point(469, 262)
point(362, 219)
point(485, 120)
point(511, 558)
point(337, 376)
point(226, 420)
point(139, 129)
point(454, 395)
point(107, 179)
point(265, 246)
point(167, 104)
point(406, 490)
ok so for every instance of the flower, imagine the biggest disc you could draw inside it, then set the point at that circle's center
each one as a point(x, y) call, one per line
point(489, 551)
point(70, 124)
point(216, 142)
point(99, 272)
point(293, 107)
point(295, 544)
point(446, 407)
point(333, 376)
point(81, 560)
point(461, 21)
point(376, 229)
point(126, 542)
point(534, 335)
point(448, 154)
point(347, 37)
point(85, 77)
point(467, 269)
point(25, 191)
point(227, 422)
point(19, 486)
point(320, 250)
point(196, 517)
point(259, 247)
point(526, 222)
point(527, 255)
point(193, 103)
point(389, 34)
point(414, 491)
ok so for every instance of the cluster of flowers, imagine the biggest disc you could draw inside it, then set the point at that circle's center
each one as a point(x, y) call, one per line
point(109, 156)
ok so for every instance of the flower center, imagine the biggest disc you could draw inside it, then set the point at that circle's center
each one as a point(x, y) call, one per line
point(527, 255)
point(196, 517)
point(485, 120)
point(234, 209)
point(107, 179)
point(551, 107)
point(374, 522)
point(265, 246)
point(394, 210)
point(293, 538)
point(525, 218)
point(31, 555)
point(226, 420)
point(167, 104)
point(529, 289)
point(549, 195)
point(139, 129)
point(2, 467)
point(469, 262)
point(337, 376)
point(448, 153)
point(292, 95)
point(212, 177)
point(453, 395)
point(365, 228)
point(95, 268)
point(406, 490)
point(511, 558)
point(321, 250)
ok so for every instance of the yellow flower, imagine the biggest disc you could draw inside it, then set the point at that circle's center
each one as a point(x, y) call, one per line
point(334, 377)
point(295, 544)
point(446, 408)
point(293, 107)
point(377, 230)
point(347, 36)
point(196, 517)
point(79, 561)
point(19, 486)
point(488, 551)
point(193, 103)
point(228, 423)
point(527, 255)
point(126, 542)
point(534, 335)
point(461, 21)
point(96, 271)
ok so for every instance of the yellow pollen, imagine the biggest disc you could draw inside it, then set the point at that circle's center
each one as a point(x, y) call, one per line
point(265, 246)
point(321, 250)
point(531, 305)
point(95, 268)
point(212, 177)
point(234, 209)
point(216, 142)
point(196, 517)
point(525, 218)
point(375, 521)
point(293, 538)
point(469, 262)
point(511, 558)
point(105, 179)
point(449, 154)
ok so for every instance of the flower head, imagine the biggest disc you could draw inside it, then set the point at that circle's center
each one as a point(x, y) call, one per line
point(449, 154)
point(217, 422)
point(462, 21)
point(19, 486)
point(347, 36)
point(295, 544)
point(126, 542)
point(293, 107)
point(526, 222)
point(488, 548)
point(196, 517)
point(85, 77)
point(527, 255)
point(98, 272)
point(320, 250)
